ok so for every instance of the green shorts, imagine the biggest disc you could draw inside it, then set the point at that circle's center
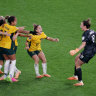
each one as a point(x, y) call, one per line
point(1, 57)
point(33, 52)
point(1, 54)
point(6, 51)
point(15, 49)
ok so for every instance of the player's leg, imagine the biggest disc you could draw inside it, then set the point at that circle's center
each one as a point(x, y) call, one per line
point(42, 57)
point(12, 67)
point(75, 77)
point(36, 66)
point(78, 65)
point(17, 71)
point(1, 64)
point(6, 65)
point(34, 56)
point(12, 64)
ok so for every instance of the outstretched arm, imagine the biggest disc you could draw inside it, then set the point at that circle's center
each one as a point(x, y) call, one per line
point(52, 39)
point(24, 31)
point(23, 35)
point(15, 36)
point(5, 33)
point(19, 34)
point(21, 30)
point(73, 52)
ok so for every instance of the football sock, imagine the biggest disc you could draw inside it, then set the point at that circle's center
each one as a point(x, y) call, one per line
point(44, 66)
point(36, 66)
point(16, 70)
point(75, 72)
point(79, 74)
point(12, 68)
point(0, 67)
point(6, 66)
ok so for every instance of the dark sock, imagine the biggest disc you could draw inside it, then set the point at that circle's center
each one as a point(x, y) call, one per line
point(75, 72)
point(79, 74)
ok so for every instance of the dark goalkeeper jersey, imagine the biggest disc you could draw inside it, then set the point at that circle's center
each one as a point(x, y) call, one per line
point(89, 37)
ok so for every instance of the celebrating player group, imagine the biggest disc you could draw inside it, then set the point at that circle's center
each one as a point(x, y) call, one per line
point(8, 46)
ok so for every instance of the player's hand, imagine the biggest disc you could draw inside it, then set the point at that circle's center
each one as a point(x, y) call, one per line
point(27, 48)
point(73, 52)
point(56, 40)
point(21, 28)
point(7, 34)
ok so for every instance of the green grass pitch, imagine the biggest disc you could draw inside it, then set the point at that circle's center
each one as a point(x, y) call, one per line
point(61, 19)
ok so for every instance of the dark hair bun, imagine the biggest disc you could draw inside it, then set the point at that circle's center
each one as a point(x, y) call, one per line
point(6, 17)
point(34, 25)
point(88, 20)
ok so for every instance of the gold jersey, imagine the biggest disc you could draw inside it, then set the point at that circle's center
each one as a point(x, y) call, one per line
point(6, 41)
point(16, 42)
point(35, 42)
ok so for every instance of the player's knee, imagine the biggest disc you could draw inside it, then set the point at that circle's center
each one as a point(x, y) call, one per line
point(77, 65)
point(44, 60)
point(76, 58)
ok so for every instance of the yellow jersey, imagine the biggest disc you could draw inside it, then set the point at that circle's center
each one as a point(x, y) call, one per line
point(35, 41)
point(16, 42)
point(6, 41)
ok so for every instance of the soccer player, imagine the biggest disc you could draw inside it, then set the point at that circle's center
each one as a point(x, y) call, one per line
point(6, 47)
point(89, 45)
point(1, 55)
point(12, 21)
point(33, 46)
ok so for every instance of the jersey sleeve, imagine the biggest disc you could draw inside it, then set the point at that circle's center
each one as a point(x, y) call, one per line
point(44, 36)
point(13, 29)
point(84, 37)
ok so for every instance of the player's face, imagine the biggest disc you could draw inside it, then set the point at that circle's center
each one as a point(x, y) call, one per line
point(14, 22)
point(82, 26)
point(39, 29)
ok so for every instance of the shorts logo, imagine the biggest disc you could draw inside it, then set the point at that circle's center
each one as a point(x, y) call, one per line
point(81, 56)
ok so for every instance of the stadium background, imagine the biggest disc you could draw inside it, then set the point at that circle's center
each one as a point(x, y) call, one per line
point(59, 18)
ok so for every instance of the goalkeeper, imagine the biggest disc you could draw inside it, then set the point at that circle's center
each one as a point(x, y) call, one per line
point(89, 45)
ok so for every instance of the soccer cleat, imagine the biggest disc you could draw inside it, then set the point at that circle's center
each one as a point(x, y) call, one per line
point(14, 80)
point(17, 74)
point(8, 79)
point(40, 76)
point(1, 72)
point(72, 78)
point(46, 75)
point(79, 84)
